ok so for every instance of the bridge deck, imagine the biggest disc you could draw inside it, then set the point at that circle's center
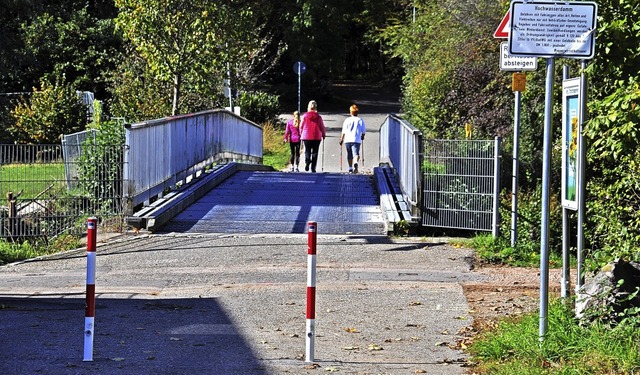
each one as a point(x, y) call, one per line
point(279, 202)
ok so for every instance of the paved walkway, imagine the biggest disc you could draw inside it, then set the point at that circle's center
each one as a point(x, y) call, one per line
point(235, 304)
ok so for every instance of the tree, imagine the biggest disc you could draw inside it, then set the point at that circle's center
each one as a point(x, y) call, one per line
point(448, 55)
point(52, 111)
point(75, 44)
point(613, 202)
point(185, 41)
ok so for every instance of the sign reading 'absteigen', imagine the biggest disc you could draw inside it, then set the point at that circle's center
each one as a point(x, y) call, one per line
point(547, 29)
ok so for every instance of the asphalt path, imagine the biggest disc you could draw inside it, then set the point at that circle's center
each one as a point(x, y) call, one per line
point(375, 104)
point(235, 304)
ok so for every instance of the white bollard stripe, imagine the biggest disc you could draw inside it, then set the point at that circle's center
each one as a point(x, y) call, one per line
point(311, 323)
point(311, 270)
point(91, 267)
point(88, 338)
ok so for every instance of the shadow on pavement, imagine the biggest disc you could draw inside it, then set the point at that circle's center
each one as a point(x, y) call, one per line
point(132, 336)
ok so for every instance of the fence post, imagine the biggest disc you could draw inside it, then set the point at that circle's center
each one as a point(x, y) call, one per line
point(496, 189)
point(90, 306)
point(311, 290)
point(13, 213)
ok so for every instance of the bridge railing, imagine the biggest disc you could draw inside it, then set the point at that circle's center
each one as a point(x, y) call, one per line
point(401, 146)
point(163, 153)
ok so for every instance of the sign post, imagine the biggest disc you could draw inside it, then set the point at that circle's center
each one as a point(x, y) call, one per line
point(549, 29)
point(299, 68)
point(509, 62)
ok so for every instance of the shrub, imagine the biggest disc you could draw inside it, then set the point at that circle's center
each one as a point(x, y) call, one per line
point(259, 107)
point(53, 110)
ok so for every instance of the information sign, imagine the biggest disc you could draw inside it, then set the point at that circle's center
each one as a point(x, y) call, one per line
point(570, 121)
point(550, 29)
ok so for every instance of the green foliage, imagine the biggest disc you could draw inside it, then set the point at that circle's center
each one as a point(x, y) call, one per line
point(259, 107)
point(53, 110)
point(73, 43)
point(513, 347)
point(186, 42)
point(275, 152)
point(136, 94)
point(100, 167)
point(527, 249)
point(449, 58)
point(14, 252)
point(612, 136)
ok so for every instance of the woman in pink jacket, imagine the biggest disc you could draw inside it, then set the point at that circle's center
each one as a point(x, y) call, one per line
point(292, 135)
point(312, 132)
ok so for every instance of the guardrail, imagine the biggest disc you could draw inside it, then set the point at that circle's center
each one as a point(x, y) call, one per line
point(162, 154)
point(401, 146)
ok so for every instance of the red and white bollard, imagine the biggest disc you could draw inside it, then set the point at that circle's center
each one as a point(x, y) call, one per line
point(311, 290)
point(90, 306)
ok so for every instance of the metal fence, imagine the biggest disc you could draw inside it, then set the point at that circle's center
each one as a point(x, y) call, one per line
point(41, 201)
point(461, 184)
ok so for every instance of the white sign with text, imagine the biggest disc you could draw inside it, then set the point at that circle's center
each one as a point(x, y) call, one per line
point(547, 29)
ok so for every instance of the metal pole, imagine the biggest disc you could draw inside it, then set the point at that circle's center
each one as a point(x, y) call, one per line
point(496, 188)
point(515, 169)
point(311, 291)
point(582, 164)
point(299, 84)
point(322, 166)
point(544, 227)
point(90, 306)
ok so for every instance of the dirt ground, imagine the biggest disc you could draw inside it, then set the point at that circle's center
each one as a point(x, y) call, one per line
point(508, 292)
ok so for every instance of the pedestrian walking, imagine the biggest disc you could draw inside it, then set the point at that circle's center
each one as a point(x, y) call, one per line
point(353, 131)
point(292, 135)
point(312, 132)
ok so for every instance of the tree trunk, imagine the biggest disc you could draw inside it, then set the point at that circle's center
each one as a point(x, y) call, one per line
point(177, 81)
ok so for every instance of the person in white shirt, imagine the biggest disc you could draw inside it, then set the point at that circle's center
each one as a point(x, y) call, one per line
point(353, 131)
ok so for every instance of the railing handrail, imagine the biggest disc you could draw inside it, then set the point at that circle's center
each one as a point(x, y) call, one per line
point(161, 153)
point(401, 146)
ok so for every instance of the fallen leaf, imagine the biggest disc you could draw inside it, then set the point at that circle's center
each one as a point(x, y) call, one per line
point(351, 330)
point(312, 366)
point(331, 369)
point(350, 348)
point(415, 303)
point(441, 343)
point(375, 347)
point(420, 371)
point(117, 359)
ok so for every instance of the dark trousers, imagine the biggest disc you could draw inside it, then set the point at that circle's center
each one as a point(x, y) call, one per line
point(295, 153)
point(311, 149)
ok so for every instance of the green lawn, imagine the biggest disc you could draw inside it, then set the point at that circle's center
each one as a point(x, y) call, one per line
point(31, 179)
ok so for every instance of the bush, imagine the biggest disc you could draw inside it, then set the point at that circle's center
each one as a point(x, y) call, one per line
point(53, 110)
point(100, 167)
point(527, 249)
point(259, 107)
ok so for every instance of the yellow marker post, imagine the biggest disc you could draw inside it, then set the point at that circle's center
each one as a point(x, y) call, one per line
point(519, 82)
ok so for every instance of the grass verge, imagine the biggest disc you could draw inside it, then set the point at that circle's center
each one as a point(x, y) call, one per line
point(513, 347)
point(275, 152)
point(14, 252)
